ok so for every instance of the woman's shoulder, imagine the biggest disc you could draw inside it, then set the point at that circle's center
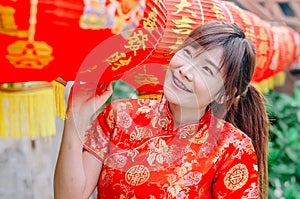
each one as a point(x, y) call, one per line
point(232, 135)
point(234, 145)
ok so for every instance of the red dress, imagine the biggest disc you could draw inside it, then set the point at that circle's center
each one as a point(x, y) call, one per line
point(143, 157)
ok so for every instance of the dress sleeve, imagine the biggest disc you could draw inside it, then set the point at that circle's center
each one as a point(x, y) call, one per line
point(98, 135)
point(237, 176)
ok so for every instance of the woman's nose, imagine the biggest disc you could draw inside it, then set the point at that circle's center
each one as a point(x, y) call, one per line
point(186, 72)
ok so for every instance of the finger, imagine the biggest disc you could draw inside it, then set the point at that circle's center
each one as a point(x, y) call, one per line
point(109, 87)
point(84, 91)
point(101, 99)
point(79, 93)
point(102, 87)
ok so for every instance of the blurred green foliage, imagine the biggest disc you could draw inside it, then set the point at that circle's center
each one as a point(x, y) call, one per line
point(284, 144)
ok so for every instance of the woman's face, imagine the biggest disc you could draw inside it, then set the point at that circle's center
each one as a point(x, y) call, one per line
point(194, 80)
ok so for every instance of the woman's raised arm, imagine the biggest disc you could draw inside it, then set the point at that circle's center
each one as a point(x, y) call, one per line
point(76, 171)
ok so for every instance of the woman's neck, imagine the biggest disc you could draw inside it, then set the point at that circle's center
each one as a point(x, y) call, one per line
point(183, 115)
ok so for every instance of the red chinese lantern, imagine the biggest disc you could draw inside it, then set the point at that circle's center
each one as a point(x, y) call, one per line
point(42, 40)
point(286, 49)
point(264, 45)
point(91, 40)
point(259, 34)
point(238, 16)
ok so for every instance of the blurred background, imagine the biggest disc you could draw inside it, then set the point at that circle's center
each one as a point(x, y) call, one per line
point(47, 45)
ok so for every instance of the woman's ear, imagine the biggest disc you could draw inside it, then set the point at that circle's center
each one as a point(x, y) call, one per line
point(220, 98)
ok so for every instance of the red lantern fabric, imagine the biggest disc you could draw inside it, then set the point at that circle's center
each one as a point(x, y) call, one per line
point(49, 39)
point(259, 34)
point(238, 16)
point(182, 17)
point(264, 45)
point(148, 79)
point(286, 49)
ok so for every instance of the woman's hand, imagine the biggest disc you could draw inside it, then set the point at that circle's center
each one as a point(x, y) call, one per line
point(84, 101)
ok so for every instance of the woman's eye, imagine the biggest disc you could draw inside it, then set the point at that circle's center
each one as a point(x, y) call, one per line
point(187, 52)
point(208, 70)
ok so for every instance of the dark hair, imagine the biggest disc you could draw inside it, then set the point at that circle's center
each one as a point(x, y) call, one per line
point(244, 106)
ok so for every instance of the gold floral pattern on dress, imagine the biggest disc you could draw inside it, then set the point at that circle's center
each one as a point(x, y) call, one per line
point(160, 153)
point(96, 140)
point(144, 109)
point(110, 119)
point(124, 119)
point(193, 178)
point(241, 147)
point(252, 192)
point(164, 122)
point(236, 177)
point(176, 191)
point(137, 175)
point(187, 131)
point(140, 133)
point(201, 136)
point(117, 161)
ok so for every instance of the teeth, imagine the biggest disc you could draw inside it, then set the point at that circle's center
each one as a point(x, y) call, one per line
point(180, 85)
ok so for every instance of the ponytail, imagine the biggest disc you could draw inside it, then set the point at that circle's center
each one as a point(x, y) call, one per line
point(248, 113)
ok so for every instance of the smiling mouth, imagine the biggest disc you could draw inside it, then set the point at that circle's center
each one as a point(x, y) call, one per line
point(180, 85)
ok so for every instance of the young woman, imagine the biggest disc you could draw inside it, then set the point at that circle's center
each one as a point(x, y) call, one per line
point(206, 138)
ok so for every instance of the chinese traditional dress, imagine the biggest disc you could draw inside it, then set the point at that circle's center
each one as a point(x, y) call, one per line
point(144, 157)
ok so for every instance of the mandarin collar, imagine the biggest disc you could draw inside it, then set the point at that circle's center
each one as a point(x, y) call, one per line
point(204, 120)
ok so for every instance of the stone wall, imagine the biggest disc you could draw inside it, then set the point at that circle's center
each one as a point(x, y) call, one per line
point(27, 167)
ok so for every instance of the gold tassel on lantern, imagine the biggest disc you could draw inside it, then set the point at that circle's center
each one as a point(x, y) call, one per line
point(59, 92)
point(27, 110)
point(268, 84)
